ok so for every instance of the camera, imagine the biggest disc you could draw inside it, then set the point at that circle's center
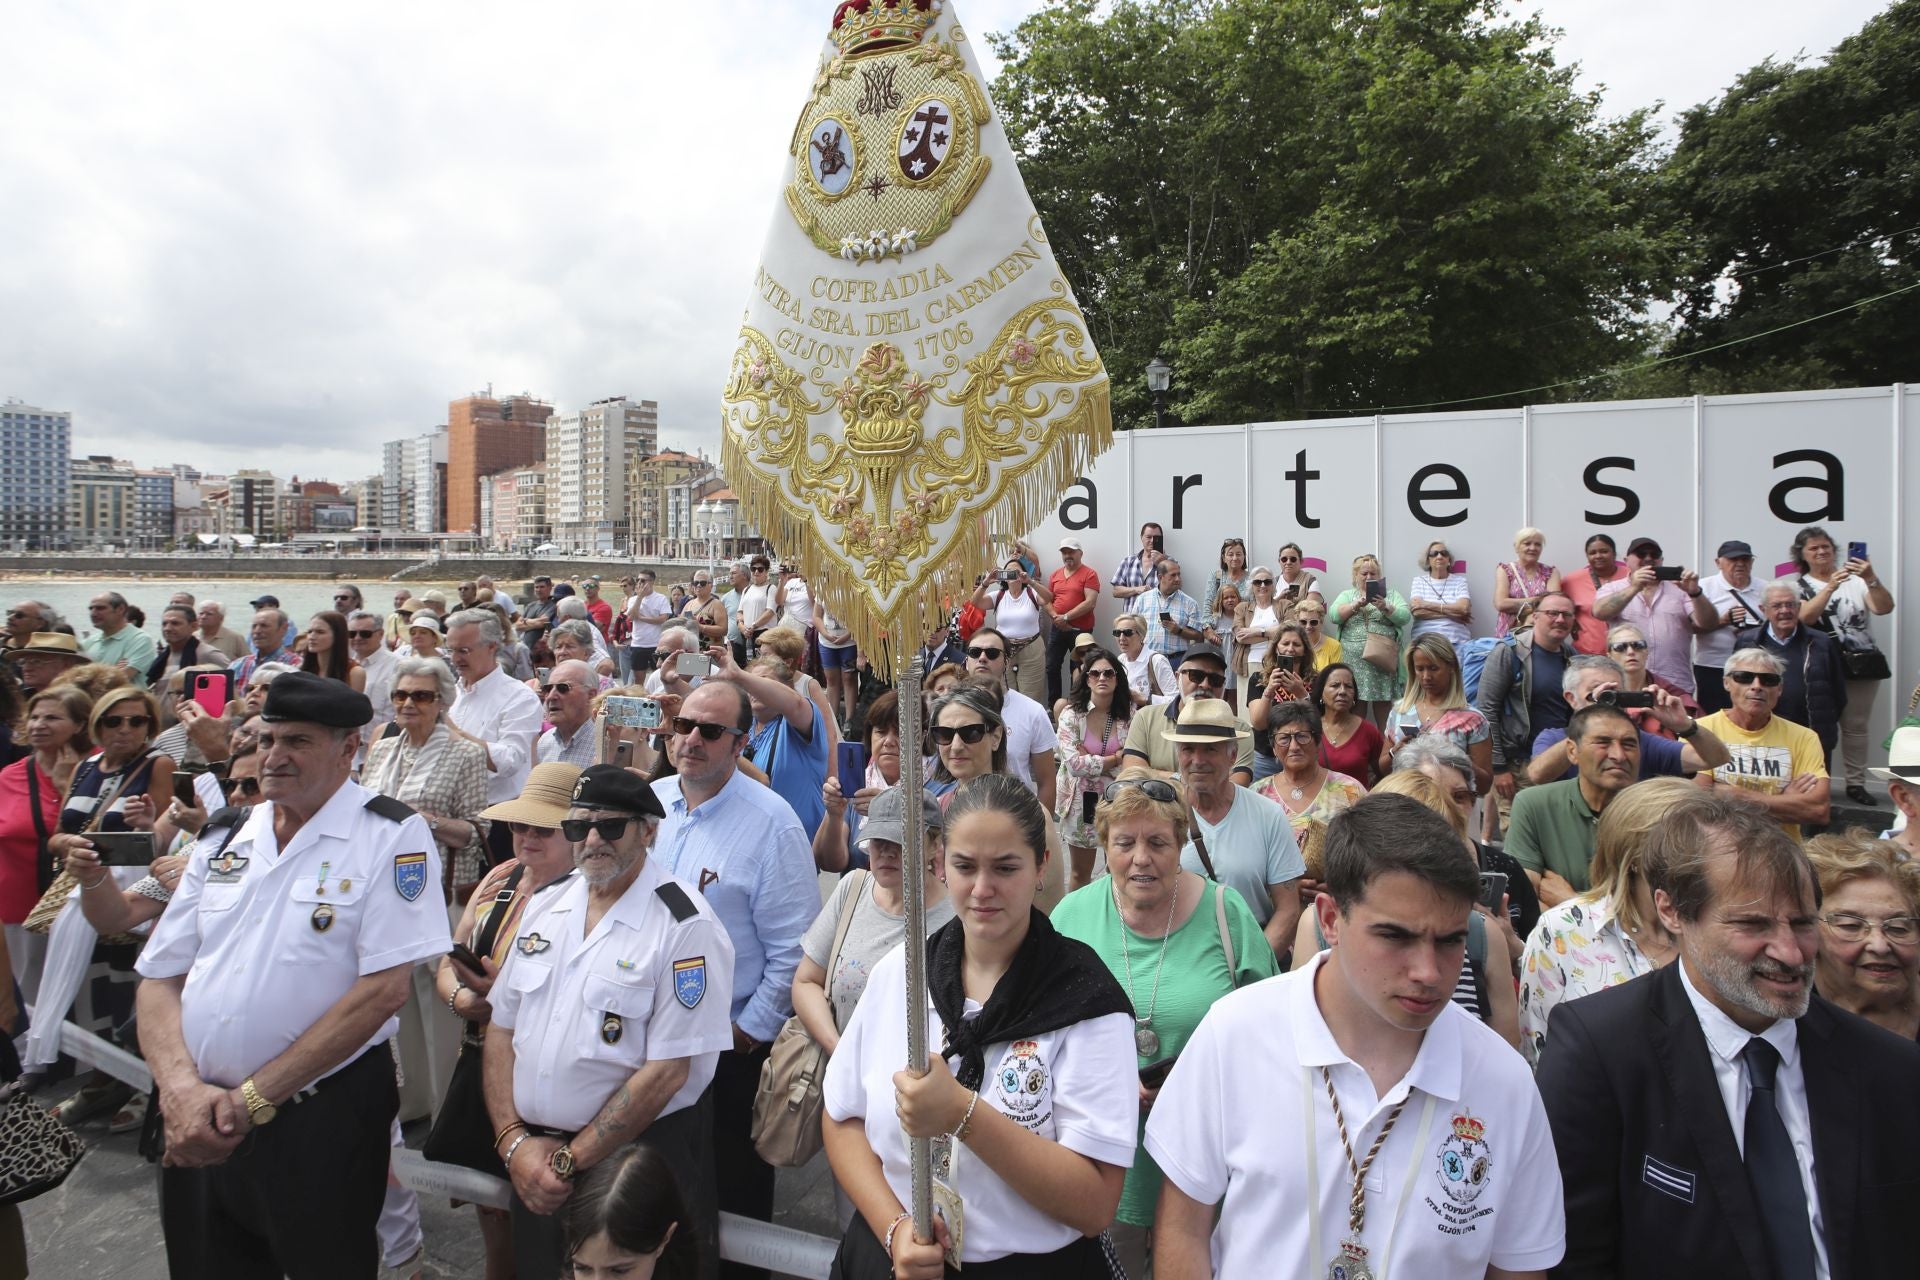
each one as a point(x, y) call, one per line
point(1624, 698)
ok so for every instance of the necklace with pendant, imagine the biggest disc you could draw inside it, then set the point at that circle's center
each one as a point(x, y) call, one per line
point(1351, 1262)
point(1145, 1039)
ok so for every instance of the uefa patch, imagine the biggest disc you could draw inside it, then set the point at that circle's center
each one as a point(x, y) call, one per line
point(690, 980)
point(410, 875)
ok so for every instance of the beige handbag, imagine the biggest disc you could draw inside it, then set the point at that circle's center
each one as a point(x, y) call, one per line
point(788, 1106)
point(1383, 652)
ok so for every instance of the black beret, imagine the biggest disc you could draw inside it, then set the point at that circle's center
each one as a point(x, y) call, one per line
point(608, 786)
point(312, 699)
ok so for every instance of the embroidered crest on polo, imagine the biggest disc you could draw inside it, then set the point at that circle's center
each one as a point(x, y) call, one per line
point(690, 980)
point(533, 944)
point(1465, 1161)
point(1023, 1083)
point(410, 875)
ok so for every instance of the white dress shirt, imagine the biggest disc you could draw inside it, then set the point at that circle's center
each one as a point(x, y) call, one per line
point(379, 689)
point(1726, 1040)
point(506, 716)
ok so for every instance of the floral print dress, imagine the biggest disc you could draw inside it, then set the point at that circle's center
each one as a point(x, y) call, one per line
point(1578, 948)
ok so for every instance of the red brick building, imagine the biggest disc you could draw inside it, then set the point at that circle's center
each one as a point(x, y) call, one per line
point(487, 435)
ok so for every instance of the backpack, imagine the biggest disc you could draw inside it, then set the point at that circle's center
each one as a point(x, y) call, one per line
point(1473, 660)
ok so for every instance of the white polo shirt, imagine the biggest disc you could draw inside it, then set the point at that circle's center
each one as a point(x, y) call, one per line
point(588, 1010)
point(1467, 1179)
point(1029, 733)
point(270, 939)
point(1075, 1086)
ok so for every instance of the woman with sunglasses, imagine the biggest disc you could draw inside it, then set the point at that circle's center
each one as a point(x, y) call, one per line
point(1440, 599)
point(1231, 573)
point(970, 741)
point(1627, 645)
point(1312, 617)
point(1150, 680)
point(542, 857)
point(122, 774)
point(1017, 617)
point(1294, 583)
point(56, 736)
point(1174, 939)
point(1256, 622)
point(424, 766)
point(1035, 1042)
point(1093, 729)
point(1869, 960)
point(327, 654)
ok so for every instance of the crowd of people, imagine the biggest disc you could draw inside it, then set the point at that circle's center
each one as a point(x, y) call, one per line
point(1279, 926)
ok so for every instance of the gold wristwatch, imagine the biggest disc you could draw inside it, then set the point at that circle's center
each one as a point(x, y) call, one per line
point(561, 1162)
point(259, 1110)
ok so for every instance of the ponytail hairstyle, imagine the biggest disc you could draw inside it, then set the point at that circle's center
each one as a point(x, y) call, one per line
point(634, 1198)
point(1004, 794)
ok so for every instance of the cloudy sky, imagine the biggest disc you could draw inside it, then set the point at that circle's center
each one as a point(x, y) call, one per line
point(278, 235)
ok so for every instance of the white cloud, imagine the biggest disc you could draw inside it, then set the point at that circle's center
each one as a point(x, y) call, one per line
point(257, 235)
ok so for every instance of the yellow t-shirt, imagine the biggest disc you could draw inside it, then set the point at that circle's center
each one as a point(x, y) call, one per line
point(1327, 654)
point(1769, 759)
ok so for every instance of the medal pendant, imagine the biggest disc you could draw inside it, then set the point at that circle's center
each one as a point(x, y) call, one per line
point(1351, 1264)
point(1146, 1039)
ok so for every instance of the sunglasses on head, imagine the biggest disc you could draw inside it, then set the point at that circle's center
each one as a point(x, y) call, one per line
point(610, 829)
point(1766, 678)
point(363, 635)
point(944, 734)
point(114, 722)
point(981, 651)
point(245, 786)
point(416, 695)
point(711, 732)
point(528, 829)
point(1154, 788)
point(1212, 679)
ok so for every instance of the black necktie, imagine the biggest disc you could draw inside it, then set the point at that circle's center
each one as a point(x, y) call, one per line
point(1774, 1170)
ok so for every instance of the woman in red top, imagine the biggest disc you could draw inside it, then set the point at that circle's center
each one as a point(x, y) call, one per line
point(1350, 743)
point(57, 734)
point(1582, 585)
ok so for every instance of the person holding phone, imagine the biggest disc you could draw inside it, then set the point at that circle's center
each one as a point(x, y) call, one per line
point(1370, 608)
point(1436, 703)
point(836, 845)
point(1295, 583)
point(1842, 599)
point(1093, 731)
point(1133, 576)
point(1668, 607)
point(1173, 618)
point(1176, 940)
point(1284, 675)
point(1016, 608)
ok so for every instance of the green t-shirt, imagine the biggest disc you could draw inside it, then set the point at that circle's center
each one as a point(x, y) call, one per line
point(1552, 830)
point(1195, 976)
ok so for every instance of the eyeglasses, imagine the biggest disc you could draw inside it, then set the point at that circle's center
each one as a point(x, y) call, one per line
point(1212, 679)
point(944, 734)
point(981, 651)
point(1554, 613)
point(562, 687)
point(528, 829)
point(363, 635)
point(1628, 646)
point(1766, 678)
point(245, 786)
point(1289, 559)
point(136, 722)
point(1103, 673)
point(416, 695)
point(18, 613)
point(1288, 739)
point(610, 829)
point(1155, 789)
point(1903, 930)
point(711, 732)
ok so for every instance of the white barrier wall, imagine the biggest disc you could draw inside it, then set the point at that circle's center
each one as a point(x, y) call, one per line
point(1690, 473)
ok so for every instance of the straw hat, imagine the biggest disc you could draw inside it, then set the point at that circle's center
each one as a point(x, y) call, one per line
point(543, 802)
point(1903, 757)
point(56, 643)
point(1208, 720)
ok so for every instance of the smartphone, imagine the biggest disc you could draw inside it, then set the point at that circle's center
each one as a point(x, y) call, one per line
point(543, 676)
point(1667, 572)
point(634, 713)
point(852, 767)
point(122, 848)
point(1159, 542)
point(1856, 551)
point(1293, 591)
point(1376, 589)
point(213, 690)
point(1493, 887)
point(183, 791)
point(1408, 724)
point(1088, 801)
point(463, 955)
point(1154, 1074)
point(693, 664)
point(1624, 699)
point(1166, 618)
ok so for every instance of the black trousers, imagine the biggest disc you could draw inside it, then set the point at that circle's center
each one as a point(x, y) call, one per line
point(681, 1139)
point(745, 1180)
point(1711, 688)
point(1059, 651)
point(301, 1196)
point(861, 1257)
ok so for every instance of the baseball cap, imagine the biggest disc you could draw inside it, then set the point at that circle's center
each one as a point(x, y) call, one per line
point(1071, 544)
point(887, 816)
point(1734, 549)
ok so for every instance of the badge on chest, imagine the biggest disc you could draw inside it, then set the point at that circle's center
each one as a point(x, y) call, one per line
point(611, 1029)
point(226, 867)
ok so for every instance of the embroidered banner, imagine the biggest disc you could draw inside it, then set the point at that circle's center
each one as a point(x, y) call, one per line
point(912, 358)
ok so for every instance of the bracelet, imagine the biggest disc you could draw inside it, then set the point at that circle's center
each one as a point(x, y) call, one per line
point(966, 1121)
point(888, 1246)
point(104, 877)
point(507, 1159)
point(453, 998)
point(501, 1136)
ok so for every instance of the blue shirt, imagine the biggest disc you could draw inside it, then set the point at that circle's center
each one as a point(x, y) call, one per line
point(1659, 757)
point(744, 850)
point(795, 767)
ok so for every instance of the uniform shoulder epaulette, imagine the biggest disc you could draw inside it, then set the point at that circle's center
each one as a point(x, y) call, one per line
point(230, 816)
point(677, 902)
point(389, 808)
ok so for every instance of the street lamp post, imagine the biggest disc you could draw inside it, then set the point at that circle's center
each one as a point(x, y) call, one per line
point(1159, 378)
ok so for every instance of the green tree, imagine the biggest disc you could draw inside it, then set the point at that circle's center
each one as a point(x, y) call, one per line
point(1800, 190)
point(1331, 205)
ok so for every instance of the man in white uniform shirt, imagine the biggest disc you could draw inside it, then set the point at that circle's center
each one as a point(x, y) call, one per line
point(608, 1019)
point(1360, 1061)
point(1031, 742)
point(271, 988)
point(492, 709)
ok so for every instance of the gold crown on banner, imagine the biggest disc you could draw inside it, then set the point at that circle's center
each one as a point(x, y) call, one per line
point(1469, 1128)
point(872, 26)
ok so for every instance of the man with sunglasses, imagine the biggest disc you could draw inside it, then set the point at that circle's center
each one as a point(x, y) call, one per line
point(568, 699)
point(1776, 764)
point(364, 642)
point(23, 620)
point(1202, 675)
point(609, 1017)
point(1814, 691)
point(1669, 613)
point(1031, 741)
point(743, 848)
point(271, 987)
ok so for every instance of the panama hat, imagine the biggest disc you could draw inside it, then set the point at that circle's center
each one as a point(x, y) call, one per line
point(55, 643)
point(544, 801)
point(1903, 757)
point(1208, 720)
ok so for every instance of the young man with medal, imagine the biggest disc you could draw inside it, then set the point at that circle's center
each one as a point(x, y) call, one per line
point(608, 1018)
point(1348, 1120)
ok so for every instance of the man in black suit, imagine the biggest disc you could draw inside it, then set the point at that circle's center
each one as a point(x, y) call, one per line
point(1717, 1118)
